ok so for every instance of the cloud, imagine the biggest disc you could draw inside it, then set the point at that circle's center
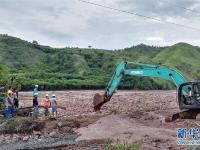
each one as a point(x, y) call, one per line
point(155, 39)
point(72, 23)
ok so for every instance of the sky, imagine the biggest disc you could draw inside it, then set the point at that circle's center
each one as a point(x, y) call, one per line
point(71, 23)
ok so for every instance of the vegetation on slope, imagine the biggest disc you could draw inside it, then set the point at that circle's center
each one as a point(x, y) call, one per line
point(26, 64)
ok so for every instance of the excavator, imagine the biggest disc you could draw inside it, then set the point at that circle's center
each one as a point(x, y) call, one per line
point(188, 93)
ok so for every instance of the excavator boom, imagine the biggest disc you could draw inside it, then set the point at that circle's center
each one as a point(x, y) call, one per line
point(145, 70)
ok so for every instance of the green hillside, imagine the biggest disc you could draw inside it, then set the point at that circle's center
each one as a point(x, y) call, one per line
point(24, 64)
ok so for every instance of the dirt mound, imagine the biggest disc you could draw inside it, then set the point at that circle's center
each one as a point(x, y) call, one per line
point(120, 127)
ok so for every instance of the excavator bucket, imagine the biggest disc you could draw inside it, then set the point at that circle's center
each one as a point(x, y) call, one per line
point(98, 101)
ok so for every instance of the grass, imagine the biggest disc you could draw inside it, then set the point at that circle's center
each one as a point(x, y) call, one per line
point(23, 126)
point(124, 146)
point(13, 126)
point(114, 111)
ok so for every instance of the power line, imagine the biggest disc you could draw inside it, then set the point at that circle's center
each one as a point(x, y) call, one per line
point(182, 7)
point(140, 15)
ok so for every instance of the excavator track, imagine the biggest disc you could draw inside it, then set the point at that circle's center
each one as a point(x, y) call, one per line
point(187, 114)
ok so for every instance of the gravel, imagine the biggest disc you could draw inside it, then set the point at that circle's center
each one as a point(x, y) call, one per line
point(43, 143)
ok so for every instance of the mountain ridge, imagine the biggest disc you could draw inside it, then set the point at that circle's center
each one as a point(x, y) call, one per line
point(65, 68)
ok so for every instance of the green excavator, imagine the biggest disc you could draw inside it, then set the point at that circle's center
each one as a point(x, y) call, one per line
point(188, 97)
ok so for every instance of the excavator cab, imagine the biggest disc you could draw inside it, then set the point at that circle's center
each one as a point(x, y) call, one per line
point(189, 95)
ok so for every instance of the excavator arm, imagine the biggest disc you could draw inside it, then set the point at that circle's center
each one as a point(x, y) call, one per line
point(145, 70)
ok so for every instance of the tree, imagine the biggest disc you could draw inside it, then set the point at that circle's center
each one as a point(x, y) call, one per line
point(35, 42)
point(3, 74)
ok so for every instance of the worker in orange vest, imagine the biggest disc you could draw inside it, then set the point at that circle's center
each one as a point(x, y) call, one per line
point(46, 104)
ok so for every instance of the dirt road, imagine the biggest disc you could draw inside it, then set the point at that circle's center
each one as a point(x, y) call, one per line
point(130, 116)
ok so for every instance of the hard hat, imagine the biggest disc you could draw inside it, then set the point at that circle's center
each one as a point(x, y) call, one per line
point(10, 92)
point(36, 86)
point(53, 95)
point(47, 95)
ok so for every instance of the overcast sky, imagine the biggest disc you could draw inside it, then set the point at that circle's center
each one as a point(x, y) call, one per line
point(61, 23)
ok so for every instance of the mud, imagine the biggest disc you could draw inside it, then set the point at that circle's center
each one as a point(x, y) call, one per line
point(130, 116)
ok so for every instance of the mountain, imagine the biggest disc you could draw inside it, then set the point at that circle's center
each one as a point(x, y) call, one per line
point(24, 64)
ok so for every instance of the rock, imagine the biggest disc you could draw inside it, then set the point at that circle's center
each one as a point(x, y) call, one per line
point(73, 129)
point(198, 117)
point(26, 138)
point(7, 138)
point(154, 144)
point(36, 137)
point(37, 133)
point(168, 119)
point(1, 139)
point(59, 124)
point(41, 137)
point(45, 134)
point(15, 138)
point(66, 129)
point(52, 134)
point(2, 126)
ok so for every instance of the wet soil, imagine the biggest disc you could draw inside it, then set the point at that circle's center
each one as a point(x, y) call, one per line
point(130, 116)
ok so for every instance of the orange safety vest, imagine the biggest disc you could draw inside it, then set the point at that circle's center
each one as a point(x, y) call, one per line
point(46, 103)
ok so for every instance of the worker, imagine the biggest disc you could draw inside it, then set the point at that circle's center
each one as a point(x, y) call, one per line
point(35, 90)
point(9, 105)
point(190, 91)
point(15, 100)
point(54, 106)
point(188, 100)
point(35, 107)
point(46, 105)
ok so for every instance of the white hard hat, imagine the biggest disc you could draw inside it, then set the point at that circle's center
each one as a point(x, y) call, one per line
point(36, 86)
point(53, 95)
point(47, 95)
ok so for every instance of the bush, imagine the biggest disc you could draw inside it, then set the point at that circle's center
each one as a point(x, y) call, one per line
point(114, 111)
point(13, 126)
point(124, 146)
point(23, 126)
